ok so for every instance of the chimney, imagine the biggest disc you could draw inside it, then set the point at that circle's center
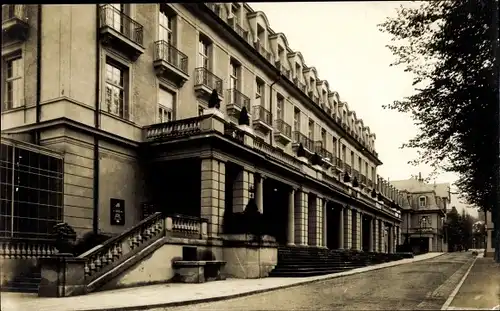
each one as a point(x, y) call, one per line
point(419, 176)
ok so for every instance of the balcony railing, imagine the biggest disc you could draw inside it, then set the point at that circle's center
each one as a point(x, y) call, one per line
point(262, 114)
point(362, 179)
point(10, 11)
point(300, 138)
point(239, 99)
point(120, 22)
point(167, 52)
point(174, 129)
point(347, 168)
point(234, 133)
point(239, 30)
point(283, 127)
point(320, 149)
point(208, 79)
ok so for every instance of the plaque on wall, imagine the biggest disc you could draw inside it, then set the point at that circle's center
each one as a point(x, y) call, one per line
point(147, 210)
point(117, 212)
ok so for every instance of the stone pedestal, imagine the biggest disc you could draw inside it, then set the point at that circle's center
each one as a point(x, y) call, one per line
point(214, 111)
point(62, 276)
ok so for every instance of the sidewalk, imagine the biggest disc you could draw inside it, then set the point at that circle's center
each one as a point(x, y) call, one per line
point(173, 293)
point(481, 287)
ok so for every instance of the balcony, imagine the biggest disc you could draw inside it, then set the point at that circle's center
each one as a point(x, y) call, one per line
point(120, 32)
point(262, 119)
point(262, 50)
point(319, 148)
point(348, 169)
point(339, 165)
point(14, 22)
point(236, 102)
point(282, 132)
point(299, 138)
point(170, 63)
point(206, 82)
point(233, 22)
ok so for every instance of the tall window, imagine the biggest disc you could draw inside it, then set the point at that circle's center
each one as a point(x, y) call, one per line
point(114, 16)
point(360, 165)
point(334, 143)
point(296, 120)
point(422, 202)
point(366, 169)
point(166, 25)
point(298, 71)
point(234, 78)
point(280, 107)
point(310, 133)
point(352, 159)
point(165, 106)
point(281, 53)
point(260, 92)
point(204, 53)
point(235, 10)
point(311, 84)
point(14, 83)
point(116, 101)
point(373, 174)
point(323, 137)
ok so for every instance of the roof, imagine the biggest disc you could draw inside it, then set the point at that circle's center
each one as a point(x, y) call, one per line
point(415, 185)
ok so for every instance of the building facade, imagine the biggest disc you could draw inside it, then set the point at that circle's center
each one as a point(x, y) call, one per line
point(490, 237)
point(121, 91)
point(424, 214)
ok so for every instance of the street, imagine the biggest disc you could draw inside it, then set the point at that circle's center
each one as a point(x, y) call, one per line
point(422, 285)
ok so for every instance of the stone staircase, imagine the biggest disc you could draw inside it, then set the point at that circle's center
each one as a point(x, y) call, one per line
point(25, 282)
point(308, 261)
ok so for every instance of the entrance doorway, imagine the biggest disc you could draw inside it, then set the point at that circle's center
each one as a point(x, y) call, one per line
point(333, 225)
point(365, 232)
point(275, 209)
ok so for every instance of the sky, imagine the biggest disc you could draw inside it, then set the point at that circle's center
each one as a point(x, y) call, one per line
point(342, 41)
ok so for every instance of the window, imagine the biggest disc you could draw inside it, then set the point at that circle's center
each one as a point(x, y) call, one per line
point(235, 10)
point(366, 168)
point(260, 92)
point(311, 84)
point(323, 137)
point(296, 120)
point(373, 174)
point(234, 78)
point(165, 106)
point(360, 165)
point(344, 152)
point(281, 53)
point(116, 83)
point(204, 53)
point(114, 16)
point(261, 34)
point(200, 110)
point(166, 24)
point(334, 142)
point(14, 83)
point(280, 106)
point(344, 116)
point(352, 159)
point(298, 70)
point(310, 132)
point(422, 202)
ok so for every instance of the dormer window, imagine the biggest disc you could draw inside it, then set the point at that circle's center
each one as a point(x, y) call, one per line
point(422, 202)
point(235, 11)
point(298, 70)
point(311, 83)
point(281, 53)
point(261, 34)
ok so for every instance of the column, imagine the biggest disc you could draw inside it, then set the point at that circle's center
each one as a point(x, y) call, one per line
point(360, 231)
point(380, 237)
point(241, 190)
point(291, 218)
point(312, 220)
point(301, 199)
point(370, 232)
point(318, 221)
point(348, 228)
point(341, 227)
point(325, 224)
point(431, 248)
point(213, 174)
point(259, 193)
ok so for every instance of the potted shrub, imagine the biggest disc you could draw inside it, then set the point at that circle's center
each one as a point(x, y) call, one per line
point(65, 238)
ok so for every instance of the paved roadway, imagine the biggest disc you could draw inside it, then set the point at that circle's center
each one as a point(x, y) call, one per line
point(423, 285)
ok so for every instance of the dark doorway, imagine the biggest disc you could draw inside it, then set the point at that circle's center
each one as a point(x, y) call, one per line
point(275, 209)
point(232, 171)
point(366, 233)
point(176, 186)
point(333, 225)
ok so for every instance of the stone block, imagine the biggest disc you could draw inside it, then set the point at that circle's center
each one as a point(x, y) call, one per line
point(62, 276)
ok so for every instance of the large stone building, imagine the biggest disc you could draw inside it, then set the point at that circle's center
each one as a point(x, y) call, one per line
point(424, 214)
point(120, 92)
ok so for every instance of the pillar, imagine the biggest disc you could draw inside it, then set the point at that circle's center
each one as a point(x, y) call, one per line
point(301, 225)
point(325, 223)
point(431, 248)
point(354, 229)
point(360, 231)
point(241, 191)
point(348, 228)
point(213, 174)
point(315, 221)
point(259, 193)
point(291, 218)
point(370, 232)
point(341, 228)
point(376, 237)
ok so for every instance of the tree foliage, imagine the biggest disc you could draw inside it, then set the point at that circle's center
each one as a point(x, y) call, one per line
point(459, 229)
point(449, 48)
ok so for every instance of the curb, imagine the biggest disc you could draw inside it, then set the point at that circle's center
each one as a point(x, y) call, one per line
point(250, 292)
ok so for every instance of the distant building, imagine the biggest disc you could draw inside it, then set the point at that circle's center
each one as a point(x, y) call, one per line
point(424, 213)
point(490, 250)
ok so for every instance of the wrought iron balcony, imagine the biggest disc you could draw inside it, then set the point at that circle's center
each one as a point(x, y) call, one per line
point(236, 102)
point(262, 119)
point(206, 82)
point(120, 31)
point(299, 138)
point(170, 63)
point(339, 165)
point(282, 131)
point(15, 25)
point(319, 148)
